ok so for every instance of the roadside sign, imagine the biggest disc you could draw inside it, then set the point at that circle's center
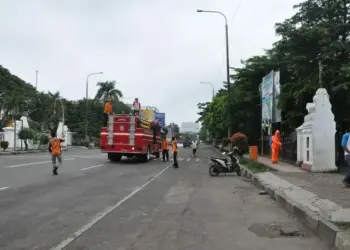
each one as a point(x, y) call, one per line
point(160, 117)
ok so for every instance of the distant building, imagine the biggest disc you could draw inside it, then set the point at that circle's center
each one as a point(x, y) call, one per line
point(189, 127)
point(173, 130)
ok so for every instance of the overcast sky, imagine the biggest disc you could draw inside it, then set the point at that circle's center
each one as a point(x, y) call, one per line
point(156, 50)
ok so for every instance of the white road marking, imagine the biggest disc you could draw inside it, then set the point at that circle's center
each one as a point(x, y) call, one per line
point(189, 158)
point(197, 160)
point(101, 215)
point(91, 157)
point(97, 166)
point(3, 188)
point(86, 156)
point(35, 163)
point(181, 159)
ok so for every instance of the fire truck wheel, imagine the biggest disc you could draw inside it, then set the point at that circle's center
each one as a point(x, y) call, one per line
point(157, 154)
point(115, 157)
point(146, 157)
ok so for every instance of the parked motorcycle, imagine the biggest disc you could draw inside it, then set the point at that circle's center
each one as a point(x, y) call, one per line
point(229, 164)
point(238, 152)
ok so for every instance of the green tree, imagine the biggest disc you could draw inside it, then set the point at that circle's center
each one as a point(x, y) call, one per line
point(203, 133)
point(107, 90)
point(26, 134)
point(18, 98)
point(318, 32)
point(4, 145)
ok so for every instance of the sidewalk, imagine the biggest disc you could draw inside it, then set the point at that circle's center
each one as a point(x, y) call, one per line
point(319, 200)
point(325, 185)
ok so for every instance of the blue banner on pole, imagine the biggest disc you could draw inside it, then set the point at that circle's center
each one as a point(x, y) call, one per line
point(160, 117)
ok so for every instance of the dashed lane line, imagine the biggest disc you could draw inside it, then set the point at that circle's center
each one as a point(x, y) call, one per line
point(96, 166)
point(35, 163)
point(103, 214)
point(3, 188)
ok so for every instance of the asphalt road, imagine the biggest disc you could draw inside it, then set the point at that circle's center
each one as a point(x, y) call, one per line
point(95, 204)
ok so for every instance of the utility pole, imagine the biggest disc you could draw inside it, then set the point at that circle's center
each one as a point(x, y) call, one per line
point(213, 89)
point(227, 70)
point(320, 71)
point(87, 104)
point(229, 132)
point(36, 79)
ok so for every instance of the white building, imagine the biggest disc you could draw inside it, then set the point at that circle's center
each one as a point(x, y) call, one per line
point(189, 127)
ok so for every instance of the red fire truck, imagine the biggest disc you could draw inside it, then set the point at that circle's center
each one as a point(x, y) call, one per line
point(130, 136)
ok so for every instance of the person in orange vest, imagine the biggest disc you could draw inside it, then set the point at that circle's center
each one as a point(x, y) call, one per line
point(55, 151)
point(174, 149)
point(275, 147)
point(165, 149)
point(108, 110)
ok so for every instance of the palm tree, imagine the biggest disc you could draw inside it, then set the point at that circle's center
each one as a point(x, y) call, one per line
point(14, 103)
point(107, 90)
point(54, 96)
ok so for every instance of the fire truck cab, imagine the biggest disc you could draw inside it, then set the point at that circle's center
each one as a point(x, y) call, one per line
point(130, 136)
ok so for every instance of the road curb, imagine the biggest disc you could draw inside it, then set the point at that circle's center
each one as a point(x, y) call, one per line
point(326, 231)
point(330, 234)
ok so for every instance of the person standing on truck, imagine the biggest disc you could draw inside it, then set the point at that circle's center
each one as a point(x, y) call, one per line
point(55, 151)
point(174, 149)
point(136, 106)
point(165, 149)
point(108, 110)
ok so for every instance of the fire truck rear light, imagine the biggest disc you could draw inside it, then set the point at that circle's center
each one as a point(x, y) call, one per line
point(132, 148)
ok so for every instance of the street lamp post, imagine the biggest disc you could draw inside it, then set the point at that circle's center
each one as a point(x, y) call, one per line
point(36, 79)
point(227, 66)
point(87, 103)
point(62, 106)
point(212, 85)
point(22, 140)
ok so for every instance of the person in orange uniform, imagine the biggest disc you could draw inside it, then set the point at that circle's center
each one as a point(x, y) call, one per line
point(165, 150)
point(174, 149)
point(107, 111)
point(275, 146)
point(55, 151)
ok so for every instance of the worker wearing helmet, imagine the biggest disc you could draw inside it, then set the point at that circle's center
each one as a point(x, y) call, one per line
point(108, 110)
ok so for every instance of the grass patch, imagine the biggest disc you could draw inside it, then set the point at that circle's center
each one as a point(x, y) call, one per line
point(345, 226)
point(254, 166)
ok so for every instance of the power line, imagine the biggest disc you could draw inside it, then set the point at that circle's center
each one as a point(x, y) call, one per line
point(237, 9)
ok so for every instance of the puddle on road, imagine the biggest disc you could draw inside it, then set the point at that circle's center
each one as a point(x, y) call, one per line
point(274, 230)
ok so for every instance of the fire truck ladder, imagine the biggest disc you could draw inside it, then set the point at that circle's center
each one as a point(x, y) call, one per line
point(132, 129)
point(110, 130)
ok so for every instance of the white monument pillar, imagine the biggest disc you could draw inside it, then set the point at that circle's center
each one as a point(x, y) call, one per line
point(323, 133)
point(316, 136)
